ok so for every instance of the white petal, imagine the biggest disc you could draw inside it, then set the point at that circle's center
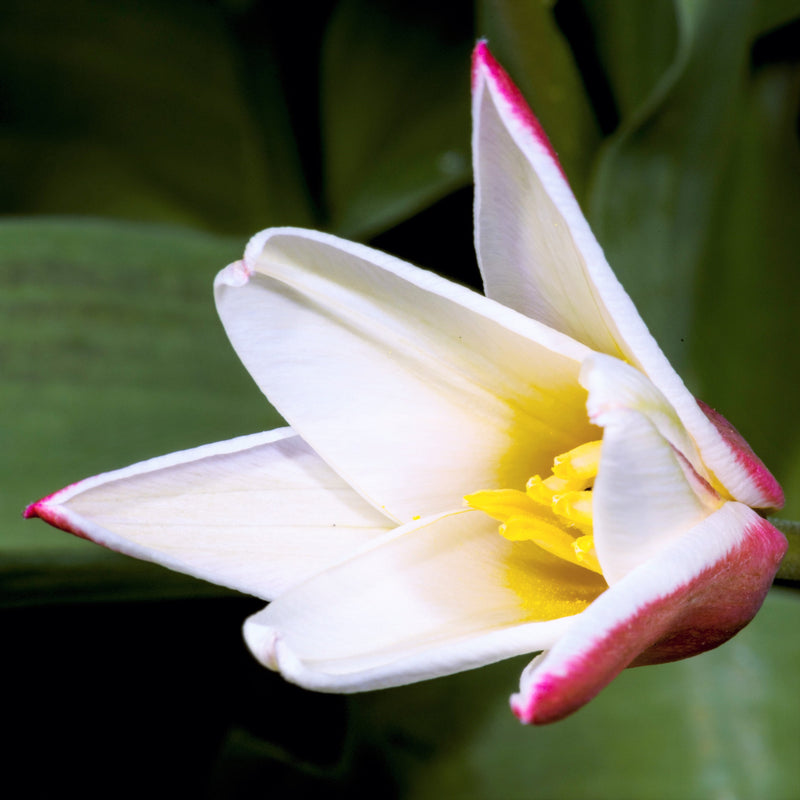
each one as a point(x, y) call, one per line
point(258, 513)
point(416, 390)
point(613, 384)
point(538, 255)
point(433, 598)
point(645, 496)
point(536, 251)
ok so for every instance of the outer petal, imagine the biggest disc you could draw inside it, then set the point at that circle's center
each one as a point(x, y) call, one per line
point(535, 249)
point(435, 597)
point(417, 391)
point(258, 513)
point(539, 256)
point(699, 592)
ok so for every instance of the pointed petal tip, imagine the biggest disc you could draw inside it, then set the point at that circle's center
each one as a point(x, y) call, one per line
point(484, 63)
point(47, 507)
point(519, 710)
point(548, 701)
point(533, 704)
point(32, 510)
point(527, 711)
point(480, 57)
point(51, 512)
point(235, 275)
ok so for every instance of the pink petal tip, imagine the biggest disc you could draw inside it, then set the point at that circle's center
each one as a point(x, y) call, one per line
point(483, 60)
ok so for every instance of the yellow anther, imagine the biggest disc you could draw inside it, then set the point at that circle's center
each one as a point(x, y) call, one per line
point(501, 504)
point(549, 537)
point(585, 553)
point(543, 490)
point(575, 507)
point(554, 512)
point(579, 464)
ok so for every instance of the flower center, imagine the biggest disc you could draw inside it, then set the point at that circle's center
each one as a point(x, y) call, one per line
point(554, 512)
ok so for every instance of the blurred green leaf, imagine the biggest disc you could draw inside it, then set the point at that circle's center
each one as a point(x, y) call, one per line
point(395, 105)
point(638, 45)
point(659, 177)
point(770, 14)
point(138, 109)
point(111, 353)
point(527, 41)
point(743, 344)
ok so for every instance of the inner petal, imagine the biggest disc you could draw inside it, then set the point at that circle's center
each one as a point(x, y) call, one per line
point(413, 389)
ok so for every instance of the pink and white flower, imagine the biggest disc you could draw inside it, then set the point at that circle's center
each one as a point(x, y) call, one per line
point(405, 394)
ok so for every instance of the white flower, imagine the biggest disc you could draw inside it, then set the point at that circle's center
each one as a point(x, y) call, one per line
point(405, 393)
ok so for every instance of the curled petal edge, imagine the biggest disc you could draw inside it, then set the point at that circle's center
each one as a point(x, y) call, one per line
point(696, 595)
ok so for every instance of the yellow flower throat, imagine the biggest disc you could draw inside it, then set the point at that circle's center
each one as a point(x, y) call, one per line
point(554, 512)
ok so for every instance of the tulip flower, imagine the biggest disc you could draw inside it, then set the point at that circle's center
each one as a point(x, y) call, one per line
point(465, 478)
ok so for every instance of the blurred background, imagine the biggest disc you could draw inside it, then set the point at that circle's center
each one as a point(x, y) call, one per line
point(143, 141)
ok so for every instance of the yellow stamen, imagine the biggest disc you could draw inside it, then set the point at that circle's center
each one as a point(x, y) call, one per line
point(584, 550)
point(554, 512)
point(576, 507)
point(579, 464)
point(500, 504)
point(543, 491)
point(549, 537)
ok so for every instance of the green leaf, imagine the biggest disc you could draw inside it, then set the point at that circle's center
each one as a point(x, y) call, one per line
point(743, 342)
point(395, 105)
point(638, 45)
point(524, 37)
point(141, 109)
point(111, 353)
point(771, 14)
point(659, 178)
